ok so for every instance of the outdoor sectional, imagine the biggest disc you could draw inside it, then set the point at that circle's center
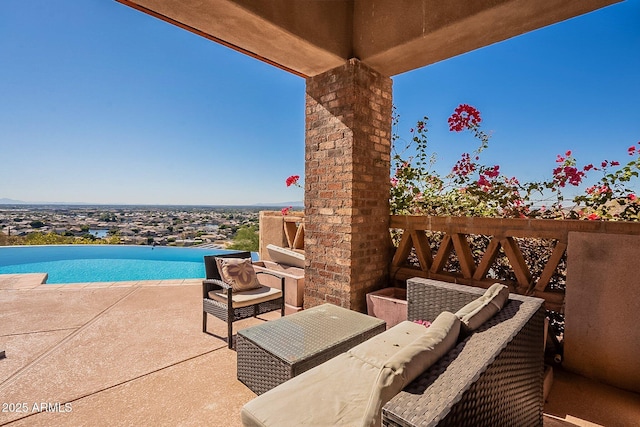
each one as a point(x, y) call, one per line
point(469, 373)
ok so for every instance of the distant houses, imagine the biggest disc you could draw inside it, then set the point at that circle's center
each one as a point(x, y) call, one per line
point(162, 226)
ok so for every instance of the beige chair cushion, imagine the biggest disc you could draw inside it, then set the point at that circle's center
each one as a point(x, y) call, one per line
point(482, 309)
point(238, 272)
point(246, 298)
point(410, 361)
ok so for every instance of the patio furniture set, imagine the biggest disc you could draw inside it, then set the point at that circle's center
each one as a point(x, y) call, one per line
point(327, 365)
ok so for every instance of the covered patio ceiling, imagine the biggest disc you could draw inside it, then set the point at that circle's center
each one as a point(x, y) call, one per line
point(309, 37)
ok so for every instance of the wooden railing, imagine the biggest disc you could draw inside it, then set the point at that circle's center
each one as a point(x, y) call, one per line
point(503, 241)
point(294, 232)
point(416, 234)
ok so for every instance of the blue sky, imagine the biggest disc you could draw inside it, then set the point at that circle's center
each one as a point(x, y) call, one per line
point(100, 103)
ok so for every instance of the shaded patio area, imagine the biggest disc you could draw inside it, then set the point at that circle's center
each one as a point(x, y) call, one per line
point(132, 353)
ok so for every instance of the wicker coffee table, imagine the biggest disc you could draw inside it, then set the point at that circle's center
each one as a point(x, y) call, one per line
point(271, 353)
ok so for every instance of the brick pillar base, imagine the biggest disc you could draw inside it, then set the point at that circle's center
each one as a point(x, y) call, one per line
point(347, 162)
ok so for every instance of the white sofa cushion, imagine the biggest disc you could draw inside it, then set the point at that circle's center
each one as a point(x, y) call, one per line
point(334, 393)
point(410, 361)
point(380, 348)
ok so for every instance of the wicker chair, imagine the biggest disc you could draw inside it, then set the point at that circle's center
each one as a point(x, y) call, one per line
point(492, 378)
point(252, 304)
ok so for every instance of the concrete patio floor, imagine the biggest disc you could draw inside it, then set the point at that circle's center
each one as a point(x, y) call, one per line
point(132, 353)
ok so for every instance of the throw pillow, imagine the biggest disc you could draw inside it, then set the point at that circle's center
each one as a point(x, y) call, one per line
point(482, 309)
point(239, 273)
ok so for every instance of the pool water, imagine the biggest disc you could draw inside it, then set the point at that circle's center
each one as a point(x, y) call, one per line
point(105, 263)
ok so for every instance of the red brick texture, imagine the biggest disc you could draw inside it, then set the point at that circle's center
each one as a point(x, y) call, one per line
point(347, 162)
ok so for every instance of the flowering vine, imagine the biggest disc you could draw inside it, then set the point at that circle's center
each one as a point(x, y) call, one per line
point(475, 189)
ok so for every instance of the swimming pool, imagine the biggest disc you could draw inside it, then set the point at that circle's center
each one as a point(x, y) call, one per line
point(105, 263)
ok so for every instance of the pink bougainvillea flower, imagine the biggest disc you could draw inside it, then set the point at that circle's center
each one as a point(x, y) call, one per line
point(493, 172)
point(604, 164)
point(285, 211)
point(588, 167)
point(593, 217)
point(614, 163)
point(568, 153)
point(632, 197)
point(394, 182)
point(463, 167)
point(631, 150)
point(292, 180)
point(484, 183)
point(603, 189)
point(464, 116)
point(565, 174)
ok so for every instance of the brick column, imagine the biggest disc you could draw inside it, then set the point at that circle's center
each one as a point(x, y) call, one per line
point(347, 162)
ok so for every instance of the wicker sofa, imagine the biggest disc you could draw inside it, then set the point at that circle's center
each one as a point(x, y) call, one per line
point(491, 376)
point(494, 377)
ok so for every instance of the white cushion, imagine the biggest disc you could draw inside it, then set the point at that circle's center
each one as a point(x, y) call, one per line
point(378, 349)
point(285, 256)
point(482, 309)
point(334, 393)
point(409, 362)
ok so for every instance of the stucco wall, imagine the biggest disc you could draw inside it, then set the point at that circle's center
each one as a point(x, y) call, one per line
point(602, 336)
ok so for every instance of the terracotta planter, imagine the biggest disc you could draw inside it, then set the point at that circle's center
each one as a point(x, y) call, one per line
point(388, 304)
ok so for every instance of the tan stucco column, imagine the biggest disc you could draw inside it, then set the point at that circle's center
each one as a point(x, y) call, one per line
point(347, 162)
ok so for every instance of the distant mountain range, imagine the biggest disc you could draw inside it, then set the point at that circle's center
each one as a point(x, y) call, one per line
point(5, 201)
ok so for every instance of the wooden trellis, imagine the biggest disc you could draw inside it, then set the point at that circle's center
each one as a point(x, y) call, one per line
point(503, 234)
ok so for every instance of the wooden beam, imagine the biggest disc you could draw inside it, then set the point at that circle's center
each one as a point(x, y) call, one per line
point(515, 227)
point(443, 254)
point(461, 245)
point(423, 249)
point(487, 260)
point(551, 266)
point(403, 250)
point(517, 261)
